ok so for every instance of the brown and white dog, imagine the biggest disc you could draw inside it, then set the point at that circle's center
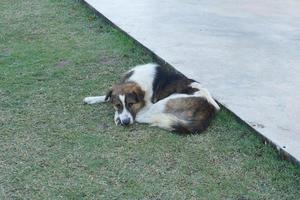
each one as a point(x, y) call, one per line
point(160, 96)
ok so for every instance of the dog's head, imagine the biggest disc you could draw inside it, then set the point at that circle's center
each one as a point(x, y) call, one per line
point(127, 99)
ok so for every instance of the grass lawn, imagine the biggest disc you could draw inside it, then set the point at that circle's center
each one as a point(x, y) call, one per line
point(55, 52)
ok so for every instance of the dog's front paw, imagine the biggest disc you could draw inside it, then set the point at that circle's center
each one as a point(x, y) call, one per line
point(117, 121)
point(93, 100)
point(90, 100)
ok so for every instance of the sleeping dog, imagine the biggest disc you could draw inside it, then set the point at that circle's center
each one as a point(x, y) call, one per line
point(160, 96)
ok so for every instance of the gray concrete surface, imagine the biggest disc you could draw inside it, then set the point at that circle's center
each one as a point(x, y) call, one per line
point(247, 53)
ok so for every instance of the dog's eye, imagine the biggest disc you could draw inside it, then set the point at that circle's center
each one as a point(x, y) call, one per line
point(130, 104)
point(118, 106)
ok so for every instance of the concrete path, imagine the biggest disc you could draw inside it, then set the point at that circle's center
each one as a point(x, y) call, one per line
point(247, 53)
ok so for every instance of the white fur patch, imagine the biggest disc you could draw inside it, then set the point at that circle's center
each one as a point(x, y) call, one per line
point(204, 93)
point(125, 113)
point(161, 120)
point(155, 115)
point(117, 121)
point(144, 75)
point(93, 100)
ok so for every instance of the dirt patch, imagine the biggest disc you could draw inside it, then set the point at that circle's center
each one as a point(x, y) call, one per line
point(103, 125)
point(5, 52)
point(108, 59)
point(3, 94)
point(63, 63)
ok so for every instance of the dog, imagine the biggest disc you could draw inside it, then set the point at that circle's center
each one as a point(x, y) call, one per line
point(161, 96)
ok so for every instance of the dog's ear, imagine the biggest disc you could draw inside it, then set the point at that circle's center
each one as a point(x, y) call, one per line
point(108, 95)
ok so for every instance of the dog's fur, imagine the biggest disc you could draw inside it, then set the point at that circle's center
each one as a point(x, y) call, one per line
point(160, 96)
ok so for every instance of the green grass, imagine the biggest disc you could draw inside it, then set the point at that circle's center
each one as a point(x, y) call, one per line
point(55, 52)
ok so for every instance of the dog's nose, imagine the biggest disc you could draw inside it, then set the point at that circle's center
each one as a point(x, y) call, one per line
point(125, 121)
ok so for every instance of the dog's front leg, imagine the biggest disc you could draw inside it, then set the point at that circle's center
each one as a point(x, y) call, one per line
point(117, 119)
point(95, 99)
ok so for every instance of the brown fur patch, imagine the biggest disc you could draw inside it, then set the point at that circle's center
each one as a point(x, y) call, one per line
point(196, 113)
point(125, 88)
point(134, 102)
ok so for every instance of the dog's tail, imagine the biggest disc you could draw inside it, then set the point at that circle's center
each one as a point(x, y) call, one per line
point(193, 114)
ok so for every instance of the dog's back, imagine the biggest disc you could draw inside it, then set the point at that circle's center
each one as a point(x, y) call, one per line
point(159, 81)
